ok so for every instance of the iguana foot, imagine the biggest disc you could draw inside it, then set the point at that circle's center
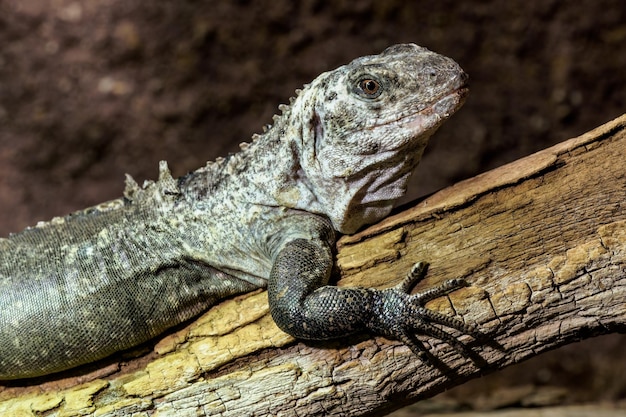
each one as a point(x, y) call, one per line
point(402, 315)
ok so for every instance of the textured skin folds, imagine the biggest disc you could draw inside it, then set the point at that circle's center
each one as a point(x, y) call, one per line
point(78, 288)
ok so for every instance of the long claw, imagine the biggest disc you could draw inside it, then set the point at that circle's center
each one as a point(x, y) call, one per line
point(449, 321)
point(441, 289)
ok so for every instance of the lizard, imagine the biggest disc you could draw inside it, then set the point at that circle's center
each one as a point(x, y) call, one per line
point(79, 288)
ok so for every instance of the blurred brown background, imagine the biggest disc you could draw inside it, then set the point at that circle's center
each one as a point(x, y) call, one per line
point(91, 90)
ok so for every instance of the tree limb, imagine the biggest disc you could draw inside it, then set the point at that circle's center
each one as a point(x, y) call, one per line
point(542, 242)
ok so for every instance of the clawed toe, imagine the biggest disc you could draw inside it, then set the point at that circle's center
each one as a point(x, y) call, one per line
point(416, 274)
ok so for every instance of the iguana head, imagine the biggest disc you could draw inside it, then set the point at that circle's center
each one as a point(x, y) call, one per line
point(365, 125)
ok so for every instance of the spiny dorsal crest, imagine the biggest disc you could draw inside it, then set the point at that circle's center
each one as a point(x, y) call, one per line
point(164, 189)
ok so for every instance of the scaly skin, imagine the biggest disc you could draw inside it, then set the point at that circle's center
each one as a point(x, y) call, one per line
point(78, 288)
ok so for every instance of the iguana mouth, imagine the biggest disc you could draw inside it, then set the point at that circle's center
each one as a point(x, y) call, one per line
point(459, 95)
point(443, 107)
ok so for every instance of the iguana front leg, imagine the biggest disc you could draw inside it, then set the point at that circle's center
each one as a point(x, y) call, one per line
point(303, 305)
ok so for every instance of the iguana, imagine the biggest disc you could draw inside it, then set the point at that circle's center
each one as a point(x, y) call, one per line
point(79, 288)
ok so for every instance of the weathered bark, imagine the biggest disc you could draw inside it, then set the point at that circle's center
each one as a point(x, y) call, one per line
point(542, 242)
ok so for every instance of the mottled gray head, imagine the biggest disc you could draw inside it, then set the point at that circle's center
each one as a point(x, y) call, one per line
point(366, 126)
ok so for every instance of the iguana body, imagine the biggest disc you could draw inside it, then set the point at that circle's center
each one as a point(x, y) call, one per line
point(79, 288)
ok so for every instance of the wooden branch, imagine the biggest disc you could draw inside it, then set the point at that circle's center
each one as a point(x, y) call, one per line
point(542, 242)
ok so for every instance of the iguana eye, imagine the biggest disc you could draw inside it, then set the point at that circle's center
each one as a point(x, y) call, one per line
point(370, 87)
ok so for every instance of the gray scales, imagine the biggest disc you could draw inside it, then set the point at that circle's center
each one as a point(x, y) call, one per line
point(79, 288)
